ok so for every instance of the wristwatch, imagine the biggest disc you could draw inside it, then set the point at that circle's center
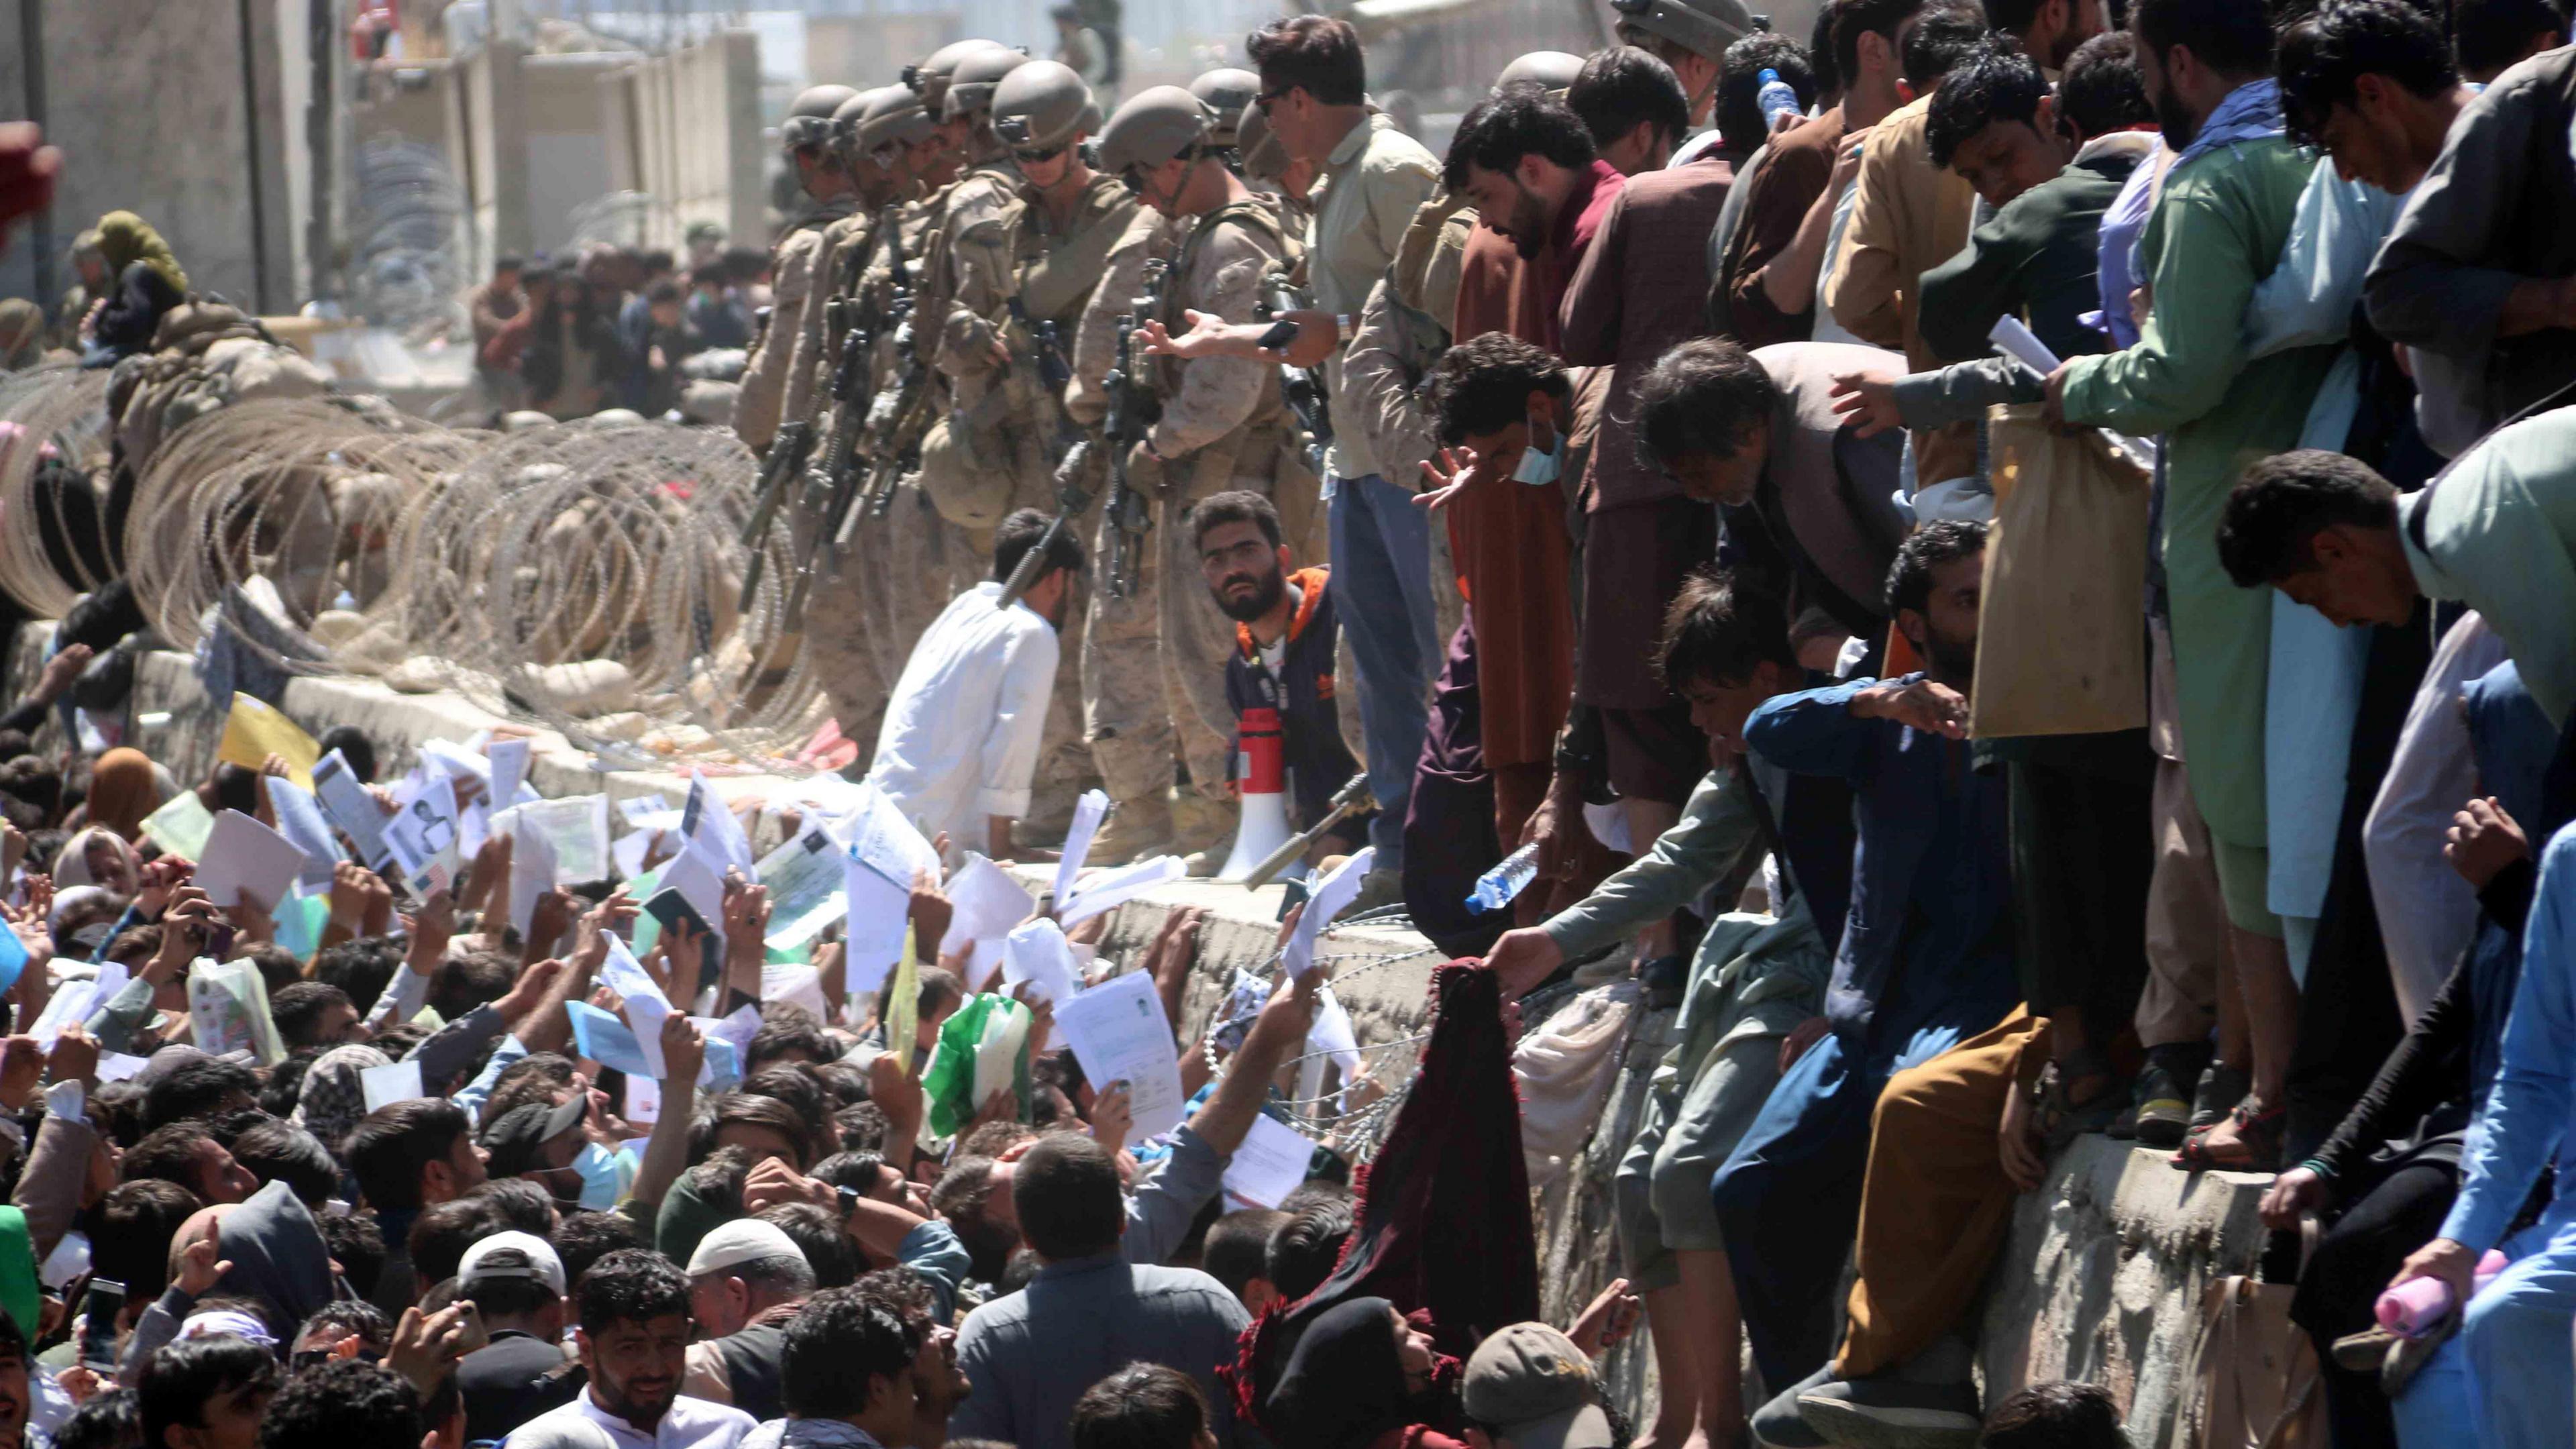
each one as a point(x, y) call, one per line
point(1345, 327)
point(849, 1197)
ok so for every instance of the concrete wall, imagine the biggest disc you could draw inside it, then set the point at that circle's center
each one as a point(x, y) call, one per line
point(149, 102)
point(685, 129)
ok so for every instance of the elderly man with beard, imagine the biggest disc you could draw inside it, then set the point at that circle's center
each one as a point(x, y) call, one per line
point(1284, 627)
point(634, 1343)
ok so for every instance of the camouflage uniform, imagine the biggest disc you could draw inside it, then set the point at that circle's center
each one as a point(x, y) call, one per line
point(758, 407)
point(1160, 654)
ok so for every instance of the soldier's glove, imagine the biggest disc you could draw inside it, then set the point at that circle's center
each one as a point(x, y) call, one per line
point(1147, 472)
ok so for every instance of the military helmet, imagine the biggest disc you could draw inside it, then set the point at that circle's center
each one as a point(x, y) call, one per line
point(847, 116)
point(929, 79)
point(894, 117)
point(809, 116)
point(1264, 159)
point(1550, 70)
point(1229, 93)
point(970, 86)
point(1705, 27)
point(1042, 105)
point(1151, 127)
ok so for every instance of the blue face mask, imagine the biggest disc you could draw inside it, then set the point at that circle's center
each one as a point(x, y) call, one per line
point(601, 1181)
point(1539, 469)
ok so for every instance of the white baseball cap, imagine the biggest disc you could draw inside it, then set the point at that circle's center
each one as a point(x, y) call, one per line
point(511, 1255)
point(744, 1240)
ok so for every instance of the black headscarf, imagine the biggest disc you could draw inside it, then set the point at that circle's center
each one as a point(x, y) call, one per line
point(126, 324)
point(1345, 1382)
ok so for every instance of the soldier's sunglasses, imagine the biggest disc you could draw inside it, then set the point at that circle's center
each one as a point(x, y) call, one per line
point(1037, 154)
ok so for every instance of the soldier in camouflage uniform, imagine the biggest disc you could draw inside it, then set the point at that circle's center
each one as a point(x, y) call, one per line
point(806, 136)
point(1155, 661)
point(1032, 266)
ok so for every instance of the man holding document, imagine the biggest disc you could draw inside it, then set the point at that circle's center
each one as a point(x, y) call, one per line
point(961, 736)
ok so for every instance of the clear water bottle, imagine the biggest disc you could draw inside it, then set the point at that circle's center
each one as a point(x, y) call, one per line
point(1776, 98)
point(1496, 888)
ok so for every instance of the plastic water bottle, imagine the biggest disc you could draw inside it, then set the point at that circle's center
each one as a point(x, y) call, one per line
point(1776, 98)
point(1496, 888)
point(2415, 1307)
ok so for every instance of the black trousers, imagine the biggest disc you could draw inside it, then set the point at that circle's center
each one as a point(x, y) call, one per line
point(2395, 1215)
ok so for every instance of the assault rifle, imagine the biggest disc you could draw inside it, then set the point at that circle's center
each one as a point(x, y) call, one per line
point(1301, 386)
point(1125, 426)
point(779, 471)
point(1073, 469)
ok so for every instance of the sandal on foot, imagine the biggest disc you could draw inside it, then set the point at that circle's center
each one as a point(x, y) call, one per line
point(2257, 1147)
point(2058, 1117)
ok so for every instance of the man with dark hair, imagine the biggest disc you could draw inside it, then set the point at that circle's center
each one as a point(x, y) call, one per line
point(2370, 83)
point(788, 1038)
point(633, 1341)
point(1285, 627)
point(200, 1088)
point(847, 1359)
point(2498, 531)
point(516, 1283)
point(1236, 1253)
point(130, 1233)
point(1026, 1380)
point(271, 1150)
point(1739, 115)
point(310, 1013)
point(961, 735)
point(1802, 495)
point(1909, 215)
point(1302, 1251)
point(1142, 1406)
point(1541, 195)
point(1755, 980)
point(2475, 278)
point(1375, 178)
point(206, 1393)
point(2047, 30)
point(2059, 1415)
point(345, 1402)
point(1632, 105)
point(187, 1154)
point(405, 1157)
point(2222, 215)
point(1925, 960)
point(1790, 230)
point(2493, 36)
point(584, 1238)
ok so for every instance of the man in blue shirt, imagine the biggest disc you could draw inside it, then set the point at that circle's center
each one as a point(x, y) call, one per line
point(1926, 958)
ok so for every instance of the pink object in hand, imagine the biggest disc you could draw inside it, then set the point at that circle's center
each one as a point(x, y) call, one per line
point(2418, 1305)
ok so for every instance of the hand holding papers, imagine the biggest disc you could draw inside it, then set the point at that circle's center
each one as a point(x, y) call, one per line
point(1036, 953)
point(1119, 1034)
point(1298, 956)
point(245, 857)
point(1111, 889)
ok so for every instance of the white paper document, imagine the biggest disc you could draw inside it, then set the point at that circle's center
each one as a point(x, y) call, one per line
point(1329, 900)
point(1113, 888)
point(299, 819)
point(509, 761)
point(806, 891)
point(646, 1006)
point(1119, 1034)
point(1087, 814)
point(710, 827)
point(387, 1085)
point(1269, 1165)
point(884, 841)
point(985, 904)
point(244, 856)
point(1036, 953)
point(351, 808)
point(797, 985)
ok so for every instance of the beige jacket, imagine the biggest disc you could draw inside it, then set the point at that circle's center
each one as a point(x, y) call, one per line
point(757, 407)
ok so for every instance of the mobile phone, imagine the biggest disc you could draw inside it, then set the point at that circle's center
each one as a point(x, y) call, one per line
point(101, 1305)
point(671, 908)
point(1281, 333)
point(218, 942)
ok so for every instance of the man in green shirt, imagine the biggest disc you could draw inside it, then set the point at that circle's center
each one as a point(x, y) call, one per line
point(2220, 220)
point(2498, 531)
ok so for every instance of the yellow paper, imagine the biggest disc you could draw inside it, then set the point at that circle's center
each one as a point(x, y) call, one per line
point(903, 1005)
point(254, 731)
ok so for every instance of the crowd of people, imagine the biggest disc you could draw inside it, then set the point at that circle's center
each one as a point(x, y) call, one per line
point(1595, 531)
point(570, 337)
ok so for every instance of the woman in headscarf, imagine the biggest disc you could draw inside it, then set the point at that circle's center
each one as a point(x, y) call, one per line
point(122, 790)
point(96, 856)
point(1363, 1378)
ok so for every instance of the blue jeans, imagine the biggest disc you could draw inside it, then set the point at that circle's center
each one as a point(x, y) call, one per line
point(1382, 575)
point(2503, 1381)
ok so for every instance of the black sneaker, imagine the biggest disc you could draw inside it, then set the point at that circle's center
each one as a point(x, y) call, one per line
point(2221, 1088)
